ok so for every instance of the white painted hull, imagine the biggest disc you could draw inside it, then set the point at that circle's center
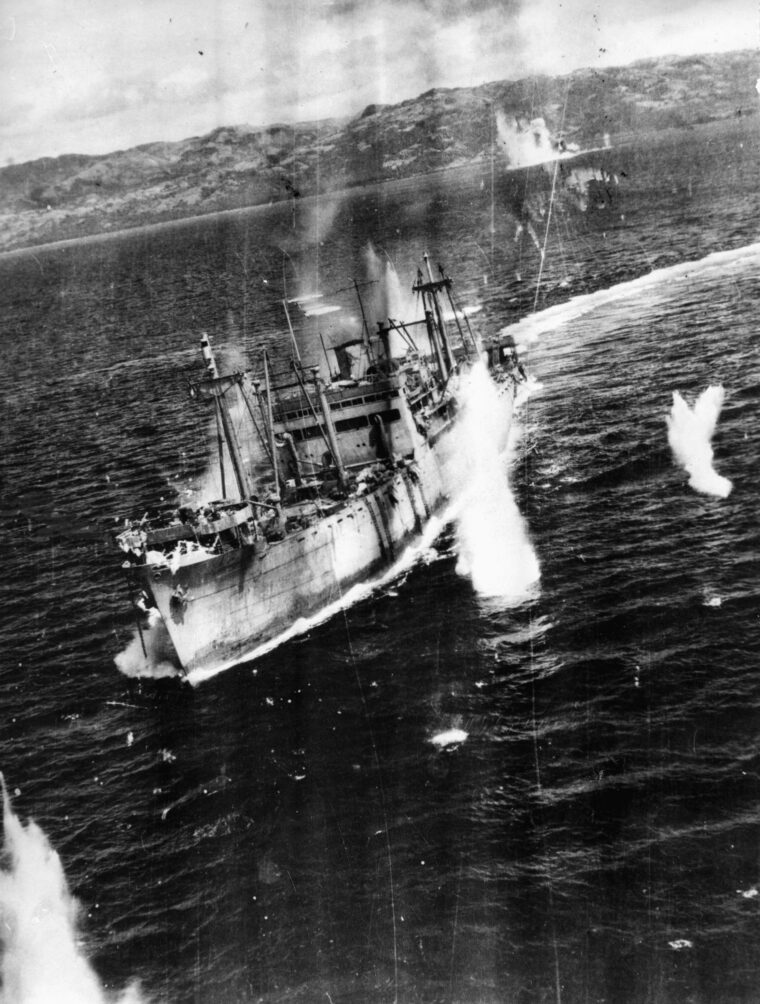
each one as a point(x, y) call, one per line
point(235, 602)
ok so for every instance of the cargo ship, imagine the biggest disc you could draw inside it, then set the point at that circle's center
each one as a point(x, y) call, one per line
point(336, 477)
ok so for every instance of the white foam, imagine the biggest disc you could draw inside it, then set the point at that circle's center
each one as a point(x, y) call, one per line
point(42, 961)
point(689, 433)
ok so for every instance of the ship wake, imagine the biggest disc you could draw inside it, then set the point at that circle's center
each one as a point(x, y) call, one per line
point(42, 960)
point(690, 431)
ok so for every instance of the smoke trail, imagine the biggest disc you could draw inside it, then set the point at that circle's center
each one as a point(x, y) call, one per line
point(159, 658)
point(689, 433)
point(41, 959)
point(492, 536)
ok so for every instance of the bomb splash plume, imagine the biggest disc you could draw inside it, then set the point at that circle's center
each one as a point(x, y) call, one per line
point(495, 550)
point(42, 961)
point(690, 431)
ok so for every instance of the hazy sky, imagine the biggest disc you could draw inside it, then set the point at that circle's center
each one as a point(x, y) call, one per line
point(91, 76)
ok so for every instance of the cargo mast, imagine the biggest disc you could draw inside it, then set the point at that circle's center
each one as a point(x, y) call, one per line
point(218, 386)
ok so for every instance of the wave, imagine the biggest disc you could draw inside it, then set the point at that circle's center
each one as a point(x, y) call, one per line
point(649, 464)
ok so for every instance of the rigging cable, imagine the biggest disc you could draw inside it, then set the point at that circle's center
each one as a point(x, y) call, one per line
point(551, 206)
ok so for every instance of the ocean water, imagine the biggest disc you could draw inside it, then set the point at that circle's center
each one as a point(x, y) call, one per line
point(439, 795)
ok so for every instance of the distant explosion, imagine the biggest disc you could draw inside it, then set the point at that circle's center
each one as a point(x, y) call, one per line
point(528, 143)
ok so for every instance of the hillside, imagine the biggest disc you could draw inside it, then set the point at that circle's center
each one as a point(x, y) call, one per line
point(73, 195)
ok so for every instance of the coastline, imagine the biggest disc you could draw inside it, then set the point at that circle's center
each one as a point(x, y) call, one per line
point(22, 240)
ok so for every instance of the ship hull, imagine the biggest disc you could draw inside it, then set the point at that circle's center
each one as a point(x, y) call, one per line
point(220, 610)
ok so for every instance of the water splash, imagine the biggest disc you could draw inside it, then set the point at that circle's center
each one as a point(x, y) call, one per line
point(494, 547)
point(689, 433)
point(157, 659)
point(41, 957)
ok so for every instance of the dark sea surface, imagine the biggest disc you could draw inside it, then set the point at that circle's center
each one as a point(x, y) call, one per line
point(287, 831)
